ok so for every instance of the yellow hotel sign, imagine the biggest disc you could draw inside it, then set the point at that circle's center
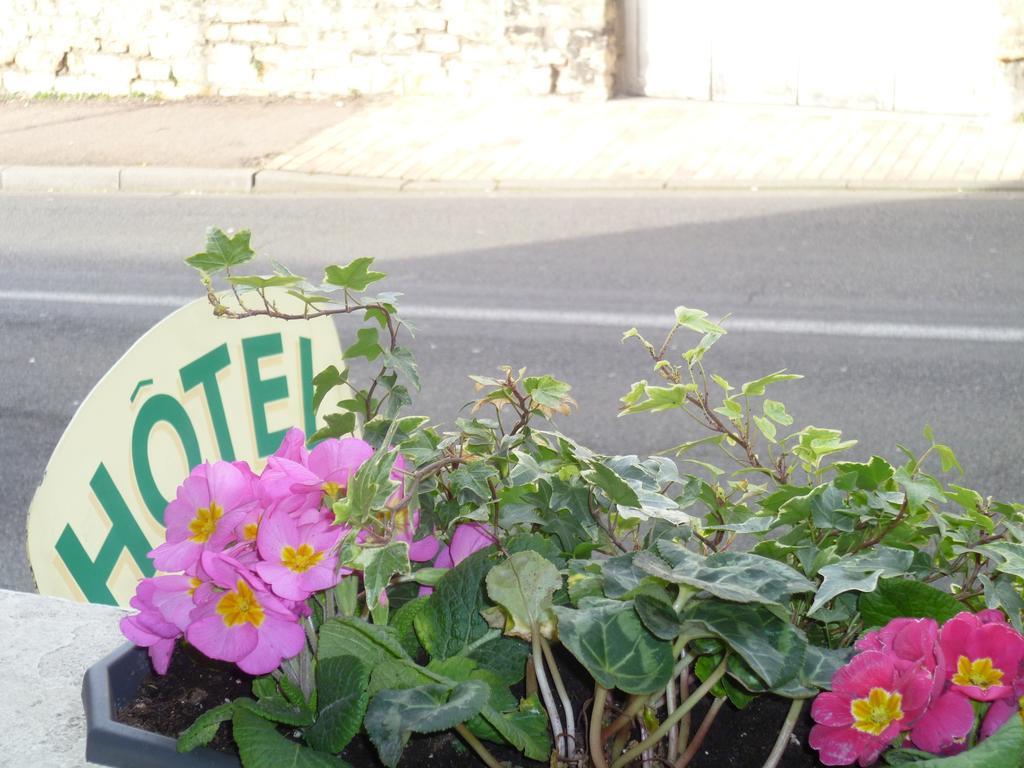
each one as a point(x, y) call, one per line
point(194, 388)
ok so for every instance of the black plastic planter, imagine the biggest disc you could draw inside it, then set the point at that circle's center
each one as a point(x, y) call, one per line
point(110, 684)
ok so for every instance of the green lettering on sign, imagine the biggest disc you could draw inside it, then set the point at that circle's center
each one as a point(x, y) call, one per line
point(91, 575)
point(203, 371)
point(160, 408)
point(306, 365)
point(263, 391)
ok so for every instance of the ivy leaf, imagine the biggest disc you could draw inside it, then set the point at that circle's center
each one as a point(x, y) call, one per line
point(341, 683)
point(860, 573)
point(329, 378)
point(337, 425)
point(205, 727)
point(696, 320)
point(548, 392)
point(772, 647)
point(817, 442)
point(355, 276)
point(366, 345)
point(919, 489)
point(617, 489)
point(757, 386)
point(766, 427)
point(393, 716)
point(524, 585)
point(401, 360)
point(379, 564)
point(222, 251)
point(903, 597)
point(776, 411)
point(610, 641)
point(263, 281)
point(260, 745)
point(472, 478)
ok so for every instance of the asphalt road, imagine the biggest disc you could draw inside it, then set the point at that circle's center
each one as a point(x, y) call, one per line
point(900, 310)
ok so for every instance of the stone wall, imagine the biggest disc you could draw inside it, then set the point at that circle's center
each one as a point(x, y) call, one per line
point(314, 48)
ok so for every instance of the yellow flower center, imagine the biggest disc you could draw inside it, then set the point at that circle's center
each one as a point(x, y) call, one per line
point(302, 559)
point(193, 585)
point(240, 606)
point(877, 712)
point(205, 522)
point(249, 531)
point(332, 489)
point(979, 672)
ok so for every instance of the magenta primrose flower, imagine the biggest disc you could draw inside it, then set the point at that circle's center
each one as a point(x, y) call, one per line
point(243, 622)
point(298, 560)
point(467, 539)
point(204, 514)
point(300, 486)
point(164, 604)
point(983, 657)
point(872, 700)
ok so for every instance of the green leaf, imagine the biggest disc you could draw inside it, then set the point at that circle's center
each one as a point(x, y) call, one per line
point(919, 489)
point(524, 585)
point(338, 425)
point(379, 564)
point(222, 251)
point(205, 727)
point(355, 276)
point(403, 622)
point(658, 616)
point(821, 664)
point(776, 411)
point(546, 390)
point(696, 320)
point(277, 711)
point(329, 378)
point(504, 657)
point(903, 597)
point(617, 489)
point(260, 745)
point(948, 458)
point(351, 636)
point(757, 386)
point(526, 728)
point(772, 647)
point(1007, 555)
point(451, 619)
point(367, 345)
point(400, 359)
point(860, 573)
point(341, 683)
point(472, 478)
point(766, 427)
point(825, 507)
point(610, 641)
point(868, 477)
point(661, 398)
point(263, 281)
point(816, 443)
point(734, 576)
point(393, 716)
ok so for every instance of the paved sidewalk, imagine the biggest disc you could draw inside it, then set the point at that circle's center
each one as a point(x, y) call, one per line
point(419, 143)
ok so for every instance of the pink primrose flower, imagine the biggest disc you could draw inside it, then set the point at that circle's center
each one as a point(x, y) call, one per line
point(245, 623)
point(467, 539)
point(164, 604)
point(297, 560)
point(1001, 710)
point(944, 727)
point(872, 700)
point(296, 486)
point(983, 659)
point(204, 514)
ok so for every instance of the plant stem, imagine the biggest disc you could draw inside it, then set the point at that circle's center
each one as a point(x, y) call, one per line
point(563, 695)
point(787, 728)
point(596, 716)
point(684, 691)
point(545, 694)
point(675, 717)
point(670, 707)
point(698, 737)
point(480, 749)
point(636, 704)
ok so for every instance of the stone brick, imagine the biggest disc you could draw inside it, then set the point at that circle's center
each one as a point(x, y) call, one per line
point(252, 33)
point(189, 73)
point(119, 71)
point(154, 70)
point(292, 36)
point(438, 43)
point(138, 48)
point(88, 85)
point(217, 33)
point(28, 82)
point(41, 60)
point(404, 42)
point(114, 46)
point(231, 65)
point(174, 41)
point(434, 21)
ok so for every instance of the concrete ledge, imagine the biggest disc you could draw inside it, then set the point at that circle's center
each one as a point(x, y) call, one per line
point(146, 179)
point(450, 185)
point(297, 181)
point(59, 178)
point(581, 185)
point(48, 643)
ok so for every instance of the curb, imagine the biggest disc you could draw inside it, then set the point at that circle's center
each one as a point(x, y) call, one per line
point(181, 180)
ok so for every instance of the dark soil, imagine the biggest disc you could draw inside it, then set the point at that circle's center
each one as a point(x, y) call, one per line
point(169, 704)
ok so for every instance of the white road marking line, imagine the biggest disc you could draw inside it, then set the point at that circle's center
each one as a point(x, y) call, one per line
point(620, 320)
